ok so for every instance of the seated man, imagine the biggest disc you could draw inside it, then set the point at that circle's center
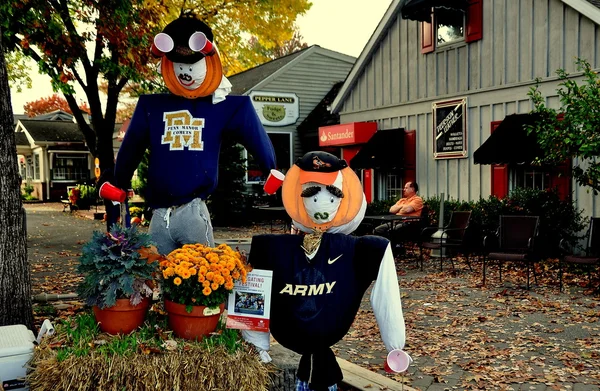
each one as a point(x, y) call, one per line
point(410, 205)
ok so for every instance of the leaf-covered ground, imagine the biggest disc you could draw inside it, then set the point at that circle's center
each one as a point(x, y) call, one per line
point(465, 336)
point(461, 335)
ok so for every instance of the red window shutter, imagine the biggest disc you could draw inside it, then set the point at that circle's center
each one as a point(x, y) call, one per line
point(427, 34)
point(561, 179)
point(499, 173)
point(474, 21)
point(410, 156)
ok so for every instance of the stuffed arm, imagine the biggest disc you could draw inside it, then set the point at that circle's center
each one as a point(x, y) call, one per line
point(133, 147)
point(386, 303)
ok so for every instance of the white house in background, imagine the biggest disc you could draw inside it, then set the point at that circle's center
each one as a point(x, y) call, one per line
point(52, 154)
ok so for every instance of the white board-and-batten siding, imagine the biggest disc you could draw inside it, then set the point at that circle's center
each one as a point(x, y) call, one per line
point(522, 40)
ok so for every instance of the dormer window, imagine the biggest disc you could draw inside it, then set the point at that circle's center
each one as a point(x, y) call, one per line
point(449, 26)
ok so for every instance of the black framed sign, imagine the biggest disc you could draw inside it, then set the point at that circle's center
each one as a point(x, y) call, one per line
point(450, 129)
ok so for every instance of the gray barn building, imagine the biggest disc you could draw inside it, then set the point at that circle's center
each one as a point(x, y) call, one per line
point(465, 71)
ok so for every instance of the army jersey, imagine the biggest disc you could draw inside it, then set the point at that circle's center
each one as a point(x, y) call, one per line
point(314, 301)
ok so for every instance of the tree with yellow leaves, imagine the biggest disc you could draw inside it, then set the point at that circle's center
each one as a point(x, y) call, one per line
point(87, 42)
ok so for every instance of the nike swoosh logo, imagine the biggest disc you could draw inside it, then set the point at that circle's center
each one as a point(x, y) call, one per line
point(330, 261)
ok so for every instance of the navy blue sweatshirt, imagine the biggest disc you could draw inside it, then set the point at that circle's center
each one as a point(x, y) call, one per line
point(184, 138)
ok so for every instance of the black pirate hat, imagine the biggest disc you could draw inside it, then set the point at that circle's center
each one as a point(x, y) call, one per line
point(320, 167)
point(180, 30)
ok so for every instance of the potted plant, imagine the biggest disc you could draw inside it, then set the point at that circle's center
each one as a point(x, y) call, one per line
point(117, 268)
point(196, 281)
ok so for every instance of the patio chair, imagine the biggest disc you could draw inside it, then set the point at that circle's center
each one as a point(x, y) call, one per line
point(451, 239)
point(591, 257)
point(412, 234)
point(513, 242)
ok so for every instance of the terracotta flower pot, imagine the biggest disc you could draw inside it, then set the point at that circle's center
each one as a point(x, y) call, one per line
point(123, 317)
point(193, 325)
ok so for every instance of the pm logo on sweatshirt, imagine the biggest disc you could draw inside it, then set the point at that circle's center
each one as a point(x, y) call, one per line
point(182, 130)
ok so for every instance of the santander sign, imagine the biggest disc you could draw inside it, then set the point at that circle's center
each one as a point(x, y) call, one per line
point(346, 134)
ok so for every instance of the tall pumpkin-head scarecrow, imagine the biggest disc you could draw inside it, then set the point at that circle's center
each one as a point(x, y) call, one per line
point(319, 279)
point(182, 132)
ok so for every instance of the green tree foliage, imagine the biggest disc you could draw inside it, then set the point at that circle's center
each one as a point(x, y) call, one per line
point(78, 41)
point(270, 22)
point(18, 71)
point(572, 131)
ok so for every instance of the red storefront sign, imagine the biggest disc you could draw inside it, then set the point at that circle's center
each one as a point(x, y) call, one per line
point(346, 134)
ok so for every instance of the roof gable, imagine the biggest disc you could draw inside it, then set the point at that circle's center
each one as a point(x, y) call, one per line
point(251, 79)
point(595, 3)
point(21, 139)
point(588, 8)
point(56, 115)
point(52, 131)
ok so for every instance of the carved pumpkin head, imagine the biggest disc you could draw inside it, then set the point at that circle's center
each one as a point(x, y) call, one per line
point(190, 64)
point(320, 192)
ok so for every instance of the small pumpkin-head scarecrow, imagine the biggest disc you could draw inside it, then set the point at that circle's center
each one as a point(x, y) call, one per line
point(190, 64)
point(319, 278)
point(183, 131)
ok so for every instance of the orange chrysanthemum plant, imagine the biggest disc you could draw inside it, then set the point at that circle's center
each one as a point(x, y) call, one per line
point(200, 275)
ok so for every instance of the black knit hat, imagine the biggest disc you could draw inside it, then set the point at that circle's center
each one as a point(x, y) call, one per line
point(180, 30)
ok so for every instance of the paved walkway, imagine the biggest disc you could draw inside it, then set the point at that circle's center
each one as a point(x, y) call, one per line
point(461, 335)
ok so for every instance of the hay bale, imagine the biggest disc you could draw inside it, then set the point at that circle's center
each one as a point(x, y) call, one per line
point(190, 366)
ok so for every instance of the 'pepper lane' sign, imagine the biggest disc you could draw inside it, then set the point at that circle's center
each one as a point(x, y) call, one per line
point(450, 129)
point(275, 108)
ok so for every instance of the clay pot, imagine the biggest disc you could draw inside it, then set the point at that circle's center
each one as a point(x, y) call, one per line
point(122, 318)
point(193, 325)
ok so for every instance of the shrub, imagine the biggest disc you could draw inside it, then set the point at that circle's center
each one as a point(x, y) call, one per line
point(558, 219)
point(380, 207)
point(116, 265)
point(28, 189)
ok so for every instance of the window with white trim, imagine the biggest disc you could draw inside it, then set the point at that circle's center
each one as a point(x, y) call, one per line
point(36, 166)
point(449, 26)
point(529, 177)
point(390, 185)
point(70, 167)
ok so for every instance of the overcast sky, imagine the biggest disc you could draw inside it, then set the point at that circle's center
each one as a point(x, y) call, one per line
point(344, 26)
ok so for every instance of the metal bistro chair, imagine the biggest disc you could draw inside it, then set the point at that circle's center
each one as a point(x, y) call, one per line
point(451, 239)
point(412, 233)
point(515, 242)
point(592, 252)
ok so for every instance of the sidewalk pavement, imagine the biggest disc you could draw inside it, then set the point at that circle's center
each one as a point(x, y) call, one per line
point(461, 335)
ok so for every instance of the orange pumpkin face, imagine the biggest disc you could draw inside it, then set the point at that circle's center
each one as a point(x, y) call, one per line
point(322, 168)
